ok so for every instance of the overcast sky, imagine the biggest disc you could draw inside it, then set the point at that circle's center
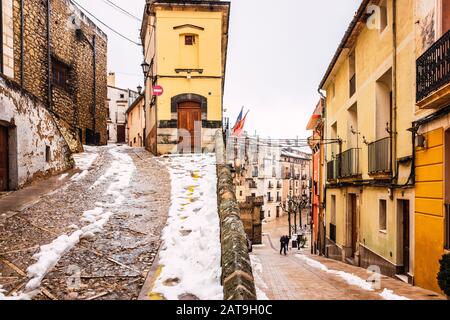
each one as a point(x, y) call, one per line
point(278, 53)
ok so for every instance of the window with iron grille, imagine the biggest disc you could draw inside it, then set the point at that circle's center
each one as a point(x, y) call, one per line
point(60, 74)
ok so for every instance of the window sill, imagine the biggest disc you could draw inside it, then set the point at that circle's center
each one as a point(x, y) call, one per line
point(384, 232)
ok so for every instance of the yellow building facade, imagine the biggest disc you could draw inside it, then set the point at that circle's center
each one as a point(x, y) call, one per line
point(385, 195)
point(136, 123)
point(185, 46)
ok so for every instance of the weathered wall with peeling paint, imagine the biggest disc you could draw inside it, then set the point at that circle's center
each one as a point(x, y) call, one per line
point(31, 129)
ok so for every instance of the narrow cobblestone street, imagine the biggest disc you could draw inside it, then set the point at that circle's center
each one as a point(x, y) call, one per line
point(114, 204)
point(302, 276)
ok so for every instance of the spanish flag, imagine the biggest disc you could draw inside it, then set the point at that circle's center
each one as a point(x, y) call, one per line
point(240, 123)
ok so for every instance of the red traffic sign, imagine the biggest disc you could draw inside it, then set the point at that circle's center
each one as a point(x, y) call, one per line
point(158, 91)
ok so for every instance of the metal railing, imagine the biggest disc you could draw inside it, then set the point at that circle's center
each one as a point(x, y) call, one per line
point(279, 199)
point(380, 156)
point(332, 169)
point(349, 163)
point(270, 185)
point(332, 232)
point(433, 68)
point(447, 226)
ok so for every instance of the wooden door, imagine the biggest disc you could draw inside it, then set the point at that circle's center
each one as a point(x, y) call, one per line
point(354, 225)
point(189, 119)
point(4, 159)
point(120, 133)
point(406, 225)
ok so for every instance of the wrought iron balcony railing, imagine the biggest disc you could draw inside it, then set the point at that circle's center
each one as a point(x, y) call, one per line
point(380, 156)
point(349, 161)
point(433, 68)
point(332, 169)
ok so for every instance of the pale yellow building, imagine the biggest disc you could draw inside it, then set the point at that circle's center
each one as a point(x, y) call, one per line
point(136, 123)
point(185, 48)
point(387, 105)
point(369, 109)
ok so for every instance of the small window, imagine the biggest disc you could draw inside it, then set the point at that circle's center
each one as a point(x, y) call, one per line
point(122, 96)
point(60, 74)
point(48, 155)
point(383, 215)
point(189, 40)
point(240, 193)
point(383, 16)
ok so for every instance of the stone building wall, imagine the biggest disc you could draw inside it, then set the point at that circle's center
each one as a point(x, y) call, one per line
point(8, 41)
point(36, 146)
point(72, 107)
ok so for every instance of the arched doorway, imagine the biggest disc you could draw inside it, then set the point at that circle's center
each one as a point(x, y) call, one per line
point(4, 155)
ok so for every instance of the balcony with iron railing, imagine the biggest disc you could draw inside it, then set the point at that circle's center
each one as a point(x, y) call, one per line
point(252, 185)
point(270, 185)
point(279, 185)
point(278, 198)
point(349, 163)
point(269, 199)
point(380, 157)
point(433, 75)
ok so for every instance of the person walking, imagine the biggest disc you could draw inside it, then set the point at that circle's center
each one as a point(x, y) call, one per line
point(284, 242)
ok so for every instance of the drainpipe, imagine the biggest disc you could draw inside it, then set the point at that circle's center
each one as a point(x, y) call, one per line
point(22, 34)
point(94, 107)
point(321, 219)
point(394, 95)
point(49, 57)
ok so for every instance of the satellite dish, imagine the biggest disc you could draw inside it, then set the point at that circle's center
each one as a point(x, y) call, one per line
point(74, 22)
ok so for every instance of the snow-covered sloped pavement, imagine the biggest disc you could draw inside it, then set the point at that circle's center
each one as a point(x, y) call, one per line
point(95, 237)
point(190, 253)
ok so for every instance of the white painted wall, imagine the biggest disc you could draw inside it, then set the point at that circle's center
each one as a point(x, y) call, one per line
point(31, 130)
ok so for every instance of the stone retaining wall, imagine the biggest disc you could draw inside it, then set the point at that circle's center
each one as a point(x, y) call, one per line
point(237, 275)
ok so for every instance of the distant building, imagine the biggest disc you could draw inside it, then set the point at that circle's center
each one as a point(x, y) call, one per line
point(185, 45)
point(316, 143)
point(119, 100)
point(270, 171)
point(136, 123)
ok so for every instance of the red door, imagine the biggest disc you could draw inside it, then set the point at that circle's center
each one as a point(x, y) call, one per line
point(3, 158)
point(189, 119)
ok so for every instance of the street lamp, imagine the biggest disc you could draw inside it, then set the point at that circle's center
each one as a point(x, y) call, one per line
point(139, 89)
point(145, 69)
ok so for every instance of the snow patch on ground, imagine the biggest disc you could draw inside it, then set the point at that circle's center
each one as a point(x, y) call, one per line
point(84, 161)
point(48, 257)
point(390, 295)
point(191, 251)
point(50, 254)
point(351, 279)
point(260, 284)
point(63, 176)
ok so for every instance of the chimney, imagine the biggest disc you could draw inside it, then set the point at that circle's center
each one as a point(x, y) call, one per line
point(112, 79)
